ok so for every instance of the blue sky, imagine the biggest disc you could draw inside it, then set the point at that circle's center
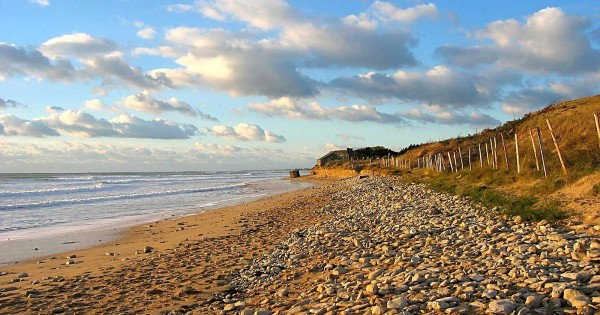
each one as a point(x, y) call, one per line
point(136, 85)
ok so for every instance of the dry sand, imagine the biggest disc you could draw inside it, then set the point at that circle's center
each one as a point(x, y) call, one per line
point(172, 264)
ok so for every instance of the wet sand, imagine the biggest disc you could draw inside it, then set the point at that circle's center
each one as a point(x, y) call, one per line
point(172, 264)
point(54, 240)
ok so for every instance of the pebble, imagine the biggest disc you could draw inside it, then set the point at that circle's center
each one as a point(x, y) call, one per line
point(392, 248)
point(576, 298)
point(411, 249)
point(397, 303)
point(502, 306)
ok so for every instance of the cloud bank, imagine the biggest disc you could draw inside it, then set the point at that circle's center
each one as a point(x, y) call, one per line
point(82, 124)
point(244, 132)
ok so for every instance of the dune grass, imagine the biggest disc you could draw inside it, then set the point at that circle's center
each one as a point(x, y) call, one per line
point(528, 193)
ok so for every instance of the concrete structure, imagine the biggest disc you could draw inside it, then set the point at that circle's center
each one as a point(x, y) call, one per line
point(333, 156)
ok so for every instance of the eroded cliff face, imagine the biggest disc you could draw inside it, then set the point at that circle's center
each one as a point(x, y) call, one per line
point(338, 173)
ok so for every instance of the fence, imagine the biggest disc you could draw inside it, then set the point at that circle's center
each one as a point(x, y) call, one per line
point(454, 160)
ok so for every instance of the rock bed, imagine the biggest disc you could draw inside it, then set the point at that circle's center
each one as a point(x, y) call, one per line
point(392, 248)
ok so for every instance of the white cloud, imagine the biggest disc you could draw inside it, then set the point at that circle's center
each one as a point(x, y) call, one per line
point(72, 156)
point(145, 102)
point(219, 149)
point(441, 116)
point(388, 12)
point(264, 15)
point(14, 126)
point(94, 104)
point(531, 96)
point(146, 33)
point(99, 59)
point(80, 46)
point(175, 77)
point(32, 63)
point(226, 61)
point(361, 21)
point(343, 45)
point(437, 85)
point(164, 51)
point(180, 8)
point(81, 124)
point(267, 58)
point(6, 103)
point(130, 126)
point(288, 107)
point(43, 3)
point(115, 71)
point(54, 109)
point(216, 68)
point(548, 41)
point(244, 132)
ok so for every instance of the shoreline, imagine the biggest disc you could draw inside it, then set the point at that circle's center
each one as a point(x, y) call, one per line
point(358, 246)
point(226, 238)
point(56, 240)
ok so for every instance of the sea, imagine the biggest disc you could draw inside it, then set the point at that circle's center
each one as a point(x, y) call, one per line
point(34, 207)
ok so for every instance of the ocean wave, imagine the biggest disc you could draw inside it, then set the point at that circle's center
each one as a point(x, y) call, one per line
point(180, 179)
point(52, 190)
point(49, 203)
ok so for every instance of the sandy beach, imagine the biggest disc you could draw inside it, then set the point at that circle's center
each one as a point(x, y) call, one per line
point(355, 246)
point(59, 239)
point(163, 265)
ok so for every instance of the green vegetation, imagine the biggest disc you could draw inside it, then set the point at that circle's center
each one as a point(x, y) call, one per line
point(528, 207)
point(596, 190)
point(529, 193)
point(372, 152)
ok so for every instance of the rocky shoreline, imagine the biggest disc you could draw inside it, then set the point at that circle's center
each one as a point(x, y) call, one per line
point(357, 246)
point(404, 249)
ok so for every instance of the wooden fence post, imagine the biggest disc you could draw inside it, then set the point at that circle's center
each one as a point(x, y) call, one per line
point(450, 160)
point(480, 156)
point(487, 154)
point(537, 163)
point(462, 166)
point(470, 168)
point(517, 152)
point(562, 161)
point(597, 121)
point(505, 153)
point(539, 134)
point(442, 162)
point(455, 164)
point(492, 152)
point(496, 153)
point(491, 159)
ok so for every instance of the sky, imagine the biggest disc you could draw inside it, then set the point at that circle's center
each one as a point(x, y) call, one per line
point(136, 85)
